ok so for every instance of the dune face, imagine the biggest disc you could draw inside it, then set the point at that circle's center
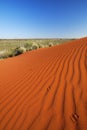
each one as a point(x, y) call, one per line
point(45, 89)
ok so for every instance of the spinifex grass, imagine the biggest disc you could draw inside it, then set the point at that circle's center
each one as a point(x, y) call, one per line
point(8, 46)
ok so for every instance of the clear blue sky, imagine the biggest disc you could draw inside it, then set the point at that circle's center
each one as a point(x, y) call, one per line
point(43, 18)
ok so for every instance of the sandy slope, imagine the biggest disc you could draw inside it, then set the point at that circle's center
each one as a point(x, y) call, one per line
point(45, 89)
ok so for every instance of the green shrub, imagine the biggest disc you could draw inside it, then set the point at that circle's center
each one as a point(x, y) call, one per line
point(40, 45)
point(35, 46)
point(10, 54)
point(4, 54)
point(19, 50)
point(50, 44)
point(28, 46)
point(30, 49)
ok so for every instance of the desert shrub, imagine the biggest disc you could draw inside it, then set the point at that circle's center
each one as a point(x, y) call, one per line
point(10, 54)
point(19, 50)
point(30, 49)
point(4, 54)
point(50, 44)
point(40, 45)
point(28, 46)
point(35, 46)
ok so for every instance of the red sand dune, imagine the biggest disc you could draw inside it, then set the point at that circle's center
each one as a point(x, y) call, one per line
point(45, 89)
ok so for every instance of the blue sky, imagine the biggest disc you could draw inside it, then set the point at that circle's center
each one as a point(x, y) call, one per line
point(43, 18)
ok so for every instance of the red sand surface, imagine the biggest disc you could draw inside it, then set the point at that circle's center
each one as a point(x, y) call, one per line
point(45, 89)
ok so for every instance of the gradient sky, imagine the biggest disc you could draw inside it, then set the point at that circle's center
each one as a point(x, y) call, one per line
point(43, 18)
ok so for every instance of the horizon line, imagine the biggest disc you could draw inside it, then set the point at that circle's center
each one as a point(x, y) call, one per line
point(37, 38)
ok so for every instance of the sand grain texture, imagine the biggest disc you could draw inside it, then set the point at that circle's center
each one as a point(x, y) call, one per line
point(45, 89)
